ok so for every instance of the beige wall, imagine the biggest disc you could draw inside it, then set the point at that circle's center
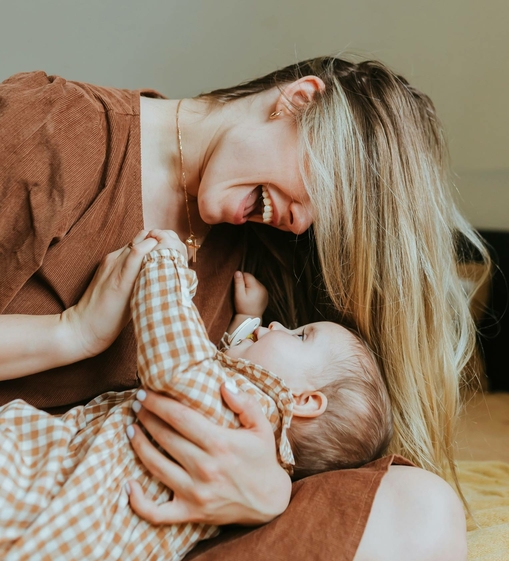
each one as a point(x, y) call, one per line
point(455, 50)
point(484, 197)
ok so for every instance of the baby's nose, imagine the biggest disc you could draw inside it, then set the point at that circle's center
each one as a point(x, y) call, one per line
point(276, 326)
point(260, 331)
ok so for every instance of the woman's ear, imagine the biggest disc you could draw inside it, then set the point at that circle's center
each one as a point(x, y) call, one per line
point(309, 404)
point(296, 95)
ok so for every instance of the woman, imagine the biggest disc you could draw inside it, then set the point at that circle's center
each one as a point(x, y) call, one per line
point(350, 148)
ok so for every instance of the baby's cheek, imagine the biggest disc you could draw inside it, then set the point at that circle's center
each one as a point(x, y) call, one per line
point(268, 356)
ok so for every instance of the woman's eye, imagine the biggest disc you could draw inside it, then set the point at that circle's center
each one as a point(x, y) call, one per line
point(301, 335)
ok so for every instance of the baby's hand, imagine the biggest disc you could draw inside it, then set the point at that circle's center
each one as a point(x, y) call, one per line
point(168, 239)
point(251, 297)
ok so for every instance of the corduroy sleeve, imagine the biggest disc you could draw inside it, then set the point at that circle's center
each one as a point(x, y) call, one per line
point(52, 154)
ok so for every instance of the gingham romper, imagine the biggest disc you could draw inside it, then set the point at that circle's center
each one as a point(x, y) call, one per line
point(62, 478)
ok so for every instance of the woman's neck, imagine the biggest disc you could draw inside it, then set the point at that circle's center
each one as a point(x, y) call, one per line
point(202, 128)
point(162, 186)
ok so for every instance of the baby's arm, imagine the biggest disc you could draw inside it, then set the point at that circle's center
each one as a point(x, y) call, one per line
point(172, 340)
point(250, 299)
point(175, 355)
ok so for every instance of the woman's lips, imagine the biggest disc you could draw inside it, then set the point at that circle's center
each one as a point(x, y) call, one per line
point(250, 203)
point(275, 216)
point(246, 206)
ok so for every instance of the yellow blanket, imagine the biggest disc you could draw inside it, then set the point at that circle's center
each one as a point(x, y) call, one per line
point(486, 487)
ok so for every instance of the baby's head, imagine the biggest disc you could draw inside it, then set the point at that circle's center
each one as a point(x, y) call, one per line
point(342, 412)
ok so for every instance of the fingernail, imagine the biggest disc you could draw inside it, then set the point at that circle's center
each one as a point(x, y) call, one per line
point(231, 387)
point(130, 431)
point(238, 274)
point(141, 395)
point(127, 488)
point(136, 406)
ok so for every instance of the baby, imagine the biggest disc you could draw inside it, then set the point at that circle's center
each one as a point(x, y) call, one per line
point(341, 413)
point(62, 491)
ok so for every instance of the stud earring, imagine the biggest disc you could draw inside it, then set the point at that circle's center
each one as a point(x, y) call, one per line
point(275, 115)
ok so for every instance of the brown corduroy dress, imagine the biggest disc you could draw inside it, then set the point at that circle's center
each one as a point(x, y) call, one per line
point(70, 182)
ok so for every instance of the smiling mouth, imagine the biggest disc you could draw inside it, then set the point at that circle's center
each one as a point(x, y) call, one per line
point(260, 204)
point(268, 211)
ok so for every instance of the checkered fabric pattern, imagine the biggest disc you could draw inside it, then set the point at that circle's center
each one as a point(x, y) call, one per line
point(62, 494)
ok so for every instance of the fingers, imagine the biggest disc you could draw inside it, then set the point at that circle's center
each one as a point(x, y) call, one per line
point(250, 281)
point(184, 452)
point(144, 242)
point(250, 297)
point(246, 281)
point(168, 239)
point(133, 258)
point(142, 506)
point(163, 235)
point(248, 409)
point(192, 425)
point(140, 249)
point(140, 236)
point(172, 512)
point(167, 471)
point(230, 482)
point(239, 284)
point(165, 239)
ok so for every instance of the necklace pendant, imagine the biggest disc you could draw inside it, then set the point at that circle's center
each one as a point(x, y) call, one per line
point(193, 245)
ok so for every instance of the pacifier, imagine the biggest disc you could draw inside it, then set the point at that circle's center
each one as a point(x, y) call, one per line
point(244, 331)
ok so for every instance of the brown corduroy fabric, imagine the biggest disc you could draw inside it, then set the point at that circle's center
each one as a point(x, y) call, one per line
point(324, 521)
point(70, 181)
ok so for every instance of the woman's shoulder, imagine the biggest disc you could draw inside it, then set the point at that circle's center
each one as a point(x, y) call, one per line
point(26, 81)
point(38, 92)
point(52, 115)
point(36, 109)
point(69, 162)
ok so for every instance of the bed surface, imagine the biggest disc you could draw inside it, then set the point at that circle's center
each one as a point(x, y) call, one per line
point(483, 452)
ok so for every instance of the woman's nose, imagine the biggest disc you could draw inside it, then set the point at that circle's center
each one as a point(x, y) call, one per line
point(299, 218)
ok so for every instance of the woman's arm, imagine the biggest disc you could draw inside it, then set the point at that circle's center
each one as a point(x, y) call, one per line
point(30, 344)
point(223, 476)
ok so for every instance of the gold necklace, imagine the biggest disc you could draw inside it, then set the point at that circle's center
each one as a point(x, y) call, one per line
point(191, 242)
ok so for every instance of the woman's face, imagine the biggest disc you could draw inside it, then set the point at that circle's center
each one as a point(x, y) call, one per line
point(251, 155)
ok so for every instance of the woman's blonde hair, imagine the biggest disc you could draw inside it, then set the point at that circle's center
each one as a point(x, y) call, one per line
point(389, 237)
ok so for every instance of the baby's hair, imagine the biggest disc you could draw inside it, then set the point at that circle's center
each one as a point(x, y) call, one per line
point(356, 427)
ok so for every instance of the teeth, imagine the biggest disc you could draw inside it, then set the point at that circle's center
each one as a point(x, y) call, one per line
point(267, 206)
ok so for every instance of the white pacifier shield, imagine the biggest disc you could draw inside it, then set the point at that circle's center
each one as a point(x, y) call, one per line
point(245, 329)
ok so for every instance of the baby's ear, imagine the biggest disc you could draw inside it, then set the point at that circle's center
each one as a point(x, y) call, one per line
point(311, 403)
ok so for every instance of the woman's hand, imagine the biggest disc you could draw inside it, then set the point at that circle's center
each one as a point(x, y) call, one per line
point(103, 311)
point(223, 476)
point(34, 343)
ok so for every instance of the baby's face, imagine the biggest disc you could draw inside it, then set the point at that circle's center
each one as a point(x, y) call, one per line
point(297, 356)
